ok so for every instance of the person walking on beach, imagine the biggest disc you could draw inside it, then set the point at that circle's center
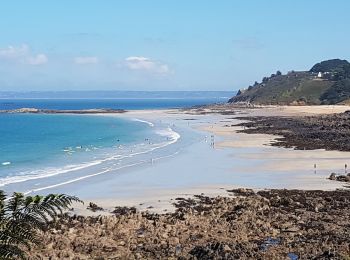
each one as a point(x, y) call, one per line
point(212, 143)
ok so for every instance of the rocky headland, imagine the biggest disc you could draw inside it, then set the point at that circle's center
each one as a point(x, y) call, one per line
point(327, 82)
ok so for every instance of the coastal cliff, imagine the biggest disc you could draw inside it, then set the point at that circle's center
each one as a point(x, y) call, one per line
point(327, 82)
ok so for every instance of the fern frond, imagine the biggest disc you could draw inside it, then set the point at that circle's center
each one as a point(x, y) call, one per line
point(8, 237)
point(2, 204)
point(11, 252)
point(15, 202)
point(21, 217)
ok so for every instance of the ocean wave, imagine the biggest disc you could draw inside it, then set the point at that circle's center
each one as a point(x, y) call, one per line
point(143, 121)
point(172, 137)
point(170, 133)
point(5, 163)
point(96, 174)
point(48, 172)
point(80, 178)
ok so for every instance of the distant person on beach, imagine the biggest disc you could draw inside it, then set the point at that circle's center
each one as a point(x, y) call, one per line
point(212, 143)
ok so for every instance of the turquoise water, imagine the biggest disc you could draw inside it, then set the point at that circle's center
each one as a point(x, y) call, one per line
point(30, 138)
point(35, 146)
point(38, 151)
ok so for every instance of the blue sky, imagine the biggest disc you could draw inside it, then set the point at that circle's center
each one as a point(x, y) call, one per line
point(164, 45)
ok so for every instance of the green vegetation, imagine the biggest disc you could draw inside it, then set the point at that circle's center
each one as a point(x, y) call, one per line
point(22, 217)
point(340, 69)
point(338, 92)
point(327, 82)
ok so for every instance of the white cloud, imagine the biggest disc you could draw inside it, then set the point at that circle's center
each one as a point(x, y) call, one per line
point(86, 60)
point(23, 55)
point(146, 64)
point(38, 59)
point(12, 52)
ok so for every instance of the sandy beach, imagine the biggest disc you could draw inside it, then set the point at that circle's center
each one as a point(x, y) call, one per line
point(193, 166)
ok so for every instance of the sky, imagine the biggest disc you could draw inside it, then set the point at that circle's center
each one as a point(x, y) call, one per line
point(164, 45)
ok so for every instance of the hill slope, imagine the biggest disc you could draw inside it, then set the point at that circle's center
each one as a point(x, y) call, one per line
point(327, 82)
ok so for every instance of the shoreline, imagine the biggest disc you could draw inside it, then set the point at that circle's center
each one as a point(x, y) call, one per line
point(235, 161)
point(77, 171)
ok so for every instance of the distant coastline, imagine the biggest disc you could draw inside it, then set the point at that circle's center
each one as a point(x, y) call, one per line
point(122, 102)
point(98, 94)
point(59, 111)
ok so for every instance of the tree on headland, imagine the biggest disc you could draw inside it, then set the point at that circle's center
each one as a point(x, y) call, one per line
point(278, 73)
point(265, 79)
point(22, 217)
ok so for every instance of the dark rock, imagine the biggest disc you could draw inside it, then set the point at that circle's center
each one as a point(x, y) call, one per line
point(121, 211)
point(93, 207)
point(343, 178)
point(333, 176)
point(329, 132)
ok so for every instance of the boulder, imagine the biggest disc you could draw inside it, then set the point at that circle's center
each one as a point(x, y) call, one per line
point(333, 176)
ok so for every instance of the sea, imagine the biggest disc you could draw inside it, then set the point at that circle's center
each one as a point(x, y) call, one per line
point(37, 150)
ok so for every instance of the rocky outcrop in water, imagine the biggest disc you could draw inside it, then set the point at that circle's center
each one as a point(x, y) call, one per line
point(339, 177)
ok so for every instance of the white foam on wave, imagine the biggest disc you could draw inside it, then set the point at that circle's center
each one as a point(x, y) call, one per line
point(143, 121)
point(6, 163)
point(95, 174)
point(48, 172)
point(52, 171)
point(170, 133)
point(173, 137)
point(79, 178)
